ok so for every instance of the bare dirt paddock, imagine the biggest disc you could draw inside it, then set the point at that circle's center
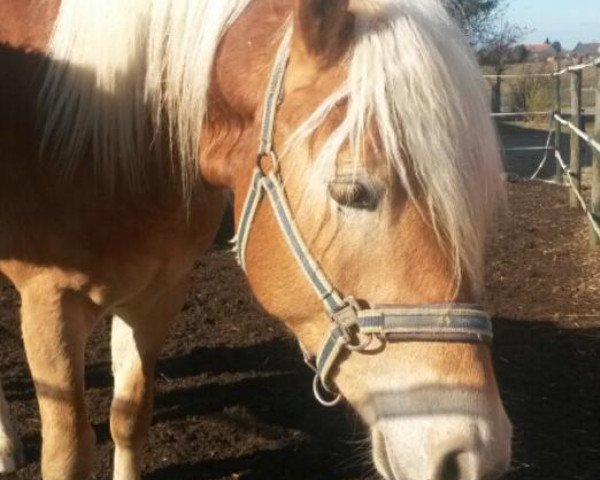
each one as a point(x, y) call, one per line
point(234, 400)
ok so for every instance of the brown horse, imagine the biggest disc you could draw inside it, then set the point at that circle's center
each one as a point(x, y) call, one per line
point(124, 125)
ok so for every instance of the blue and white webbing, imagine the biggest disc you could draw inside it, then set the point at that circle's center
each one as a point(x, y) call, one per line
point(352, 326)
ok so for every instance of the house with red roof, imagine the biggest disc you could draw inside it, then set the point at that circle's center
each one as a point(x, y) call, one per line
point(540, 52)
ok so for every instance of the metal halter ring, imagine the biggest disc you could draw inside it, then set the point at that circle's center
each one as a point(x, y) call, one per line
point(318, 391)
point(275, 166)
point(365, 342)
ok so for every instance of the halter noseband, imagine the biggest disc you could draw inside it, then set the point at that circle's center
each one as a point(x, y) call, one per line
point(352, 327)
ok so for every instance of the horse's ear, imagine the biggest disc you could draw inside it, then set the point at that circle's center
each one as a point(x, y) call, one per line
point(325, 27)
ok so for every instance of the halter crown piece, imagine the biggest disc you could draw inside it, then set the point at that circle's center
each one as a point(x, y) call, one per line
point(352, 327)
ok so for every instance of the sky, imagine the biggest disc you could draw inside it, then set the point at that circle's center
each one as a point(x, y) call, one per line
point(568, 21)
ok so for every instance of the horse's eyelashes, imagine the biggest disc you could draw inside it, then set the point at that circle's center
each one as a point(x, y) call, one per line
point(353, 193)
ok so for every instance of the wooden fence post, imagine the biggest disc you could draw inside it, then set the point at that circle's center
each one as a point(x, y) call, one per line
point(497, 93)
point(596, 166)
point(558, 175)
point(576, 119)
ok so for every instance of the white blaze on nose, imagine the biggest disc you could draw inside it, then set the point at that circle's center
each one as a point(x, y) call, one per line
point(444, 447)
point(439, 435)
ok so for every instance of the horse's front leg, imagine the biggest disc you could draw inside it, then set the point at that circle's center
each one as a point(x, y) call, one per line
point(138, 333)
point(56, 323)
point(11, 449)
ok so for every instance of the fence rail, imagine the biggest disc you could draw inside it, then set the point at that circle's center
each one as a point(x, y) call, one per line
point(580, 133)
point(593, 222)
point(519, 114)
point(573, 68)
point(578, 68)
point(578, 136)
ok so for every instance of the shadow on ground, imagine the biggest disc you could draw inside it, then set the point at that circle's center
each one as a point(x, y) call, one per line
point(247, 412)
point(550, 383)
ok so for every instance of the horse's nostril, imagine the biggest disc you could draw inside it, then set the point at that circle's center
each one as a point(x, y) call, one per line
point(451, 468)
point(459, 465)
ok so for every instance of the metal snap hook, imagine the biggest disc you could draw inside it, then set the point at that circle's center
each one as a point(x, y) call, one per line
point(319, 388)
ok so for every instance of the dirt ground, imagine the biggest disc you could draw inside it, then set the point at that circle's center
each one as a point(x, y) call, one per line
point(234, 401)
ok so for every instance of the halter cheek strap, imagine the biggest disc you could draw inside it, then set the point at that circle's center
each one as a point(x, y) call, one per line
point(269, 185)
point(352, 327)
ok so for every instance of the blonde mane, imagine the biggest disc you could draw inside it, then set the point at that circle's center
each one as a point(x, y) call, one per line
point(413, 76)
point(123, 70)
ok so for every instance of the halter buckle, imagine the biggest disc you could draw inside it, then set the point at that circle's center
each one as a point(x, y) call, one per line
point(346, 318)
point(347, 321)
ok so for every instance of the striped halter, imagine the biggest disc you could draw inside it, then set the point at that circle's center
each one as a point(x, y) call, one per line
point(352, 327)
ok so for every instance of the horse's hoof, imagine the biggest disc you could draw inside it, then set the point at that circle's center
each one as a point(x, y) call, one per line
point(11, 455)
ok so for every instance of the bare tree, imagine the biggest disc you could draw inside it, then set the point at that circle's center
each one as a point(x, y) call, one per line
point(476, 17)
point(497, 51)
point(490, 34)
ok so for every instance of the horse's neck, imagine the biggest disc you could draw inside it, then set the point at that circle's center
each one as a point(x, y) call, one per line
point(240, 73)
point(241, 70)
point(25, 28)
point(27, 24)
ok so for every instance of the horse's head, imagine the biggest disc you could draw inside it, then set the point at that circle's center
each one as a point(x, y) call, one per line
point(389, 164)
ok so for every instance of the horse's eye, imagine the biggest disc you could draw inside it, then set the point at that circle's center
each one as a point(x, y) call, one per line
point(354, 193)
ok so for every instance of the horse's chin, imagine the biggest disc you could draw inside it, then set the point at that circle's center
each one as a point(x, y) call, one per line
point(441, 447)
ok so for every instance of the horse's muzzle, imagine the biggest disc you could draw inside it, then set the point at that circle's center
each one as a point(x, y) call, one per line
point(442, 446)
